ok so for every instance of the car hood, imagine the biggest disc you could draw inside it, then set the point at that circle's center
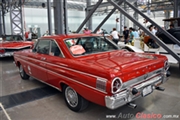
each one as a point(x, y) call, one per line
point(19, 44)
point(123, 61)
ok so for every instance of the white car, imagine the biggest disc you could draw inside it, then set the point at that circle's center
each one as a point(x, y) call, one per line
point(138, 48)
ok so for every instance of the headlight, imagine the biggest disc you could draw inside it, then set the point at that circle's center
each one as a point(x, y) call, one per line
point(166, 65)
point(2, 51)
point(116, 85)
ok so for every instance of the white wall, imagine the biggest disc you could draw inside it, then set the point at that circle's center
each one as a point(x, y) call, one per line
point(38, 17)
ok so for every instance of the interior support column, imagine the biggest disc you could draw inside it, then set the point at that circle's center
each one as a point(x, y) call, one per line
point(65, 18)
point(89, 22)
point(3, 20)
point(49, 17)
point(176, 8)
point(58, 17)
point(135, 16)
point(121, 23)
point(166, 15)
point(126, 21)
point(0, 24)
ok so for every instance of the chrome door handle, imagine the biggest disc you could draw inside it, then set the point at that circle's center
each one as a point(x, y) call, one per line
point(43, 58)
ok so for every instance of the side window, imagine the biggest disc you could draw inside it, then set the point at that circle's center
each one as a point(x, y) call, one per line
point(42, 47)
point(55, 51)
point(81, 41)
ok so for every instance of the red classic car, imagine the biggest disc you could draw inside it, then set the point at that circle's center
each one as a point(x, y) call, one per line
point(92, 68)
point(11, 43)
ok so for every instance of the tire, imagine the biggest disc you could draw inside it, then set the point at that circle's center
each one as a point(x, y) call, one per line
point(73, 100)
point(22, 73)
point(127, 49)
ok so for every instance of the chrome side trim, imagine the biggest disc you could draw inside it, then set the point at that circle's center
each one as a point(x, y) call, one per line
point(17, 47)
point(153, 80)
point(78, 82)
point(63, 77)
point(80, 72)
point(142, 78)
point(46, 83)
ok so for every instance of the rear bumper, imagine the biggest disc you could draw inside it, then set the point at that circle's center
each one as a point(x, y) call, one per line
point(135, 91)
point(7, 54)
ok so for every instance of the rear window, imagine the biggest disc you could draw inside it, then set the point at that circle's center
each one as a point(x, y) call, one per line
point(89, 45)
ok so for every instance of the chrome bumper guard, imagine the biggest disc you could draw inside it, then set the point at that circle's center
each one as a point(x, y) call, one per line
point(126, 95)
point(7, 54)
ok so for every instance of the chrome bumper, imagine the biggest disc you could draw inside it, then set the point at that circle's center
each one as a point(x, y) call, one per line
point(7, 54)
point(127, 95)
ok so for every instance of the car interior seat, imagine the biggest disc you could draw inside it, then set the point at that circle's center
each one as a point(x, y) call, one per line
point(88, 46)
point(56, 51)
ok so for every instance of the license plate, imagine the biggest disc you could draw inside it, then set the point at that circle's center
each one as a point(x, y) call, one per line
point(147, 90)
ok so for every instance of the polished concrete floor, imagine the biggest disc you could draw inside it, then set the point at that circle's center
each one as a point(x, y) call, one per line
point(31, 100)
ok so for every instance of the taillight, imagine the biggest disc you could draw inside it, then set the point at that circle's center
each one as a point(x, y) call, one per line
point(2, 51)
point(116, 85)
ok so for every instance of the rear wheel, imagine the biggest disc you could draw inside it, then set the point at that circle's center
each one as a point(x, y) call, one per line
point(22, 73)
point(73, 100)
point(127, 49)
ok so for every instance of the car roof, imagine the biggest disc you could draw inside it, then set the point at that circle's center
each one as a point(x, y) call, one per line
point(65, 36)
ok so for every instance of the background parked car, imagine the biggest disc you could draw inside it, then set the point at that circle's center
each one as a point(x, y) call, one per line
point(11, 43)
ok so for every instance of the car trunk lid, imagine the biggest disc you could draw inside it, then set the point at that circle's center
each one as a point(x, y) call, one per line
point(126, 63)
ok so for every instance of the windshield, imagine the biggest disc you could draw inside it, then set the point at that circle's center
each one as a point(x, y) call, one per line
point(12, 38)
point(89, 45)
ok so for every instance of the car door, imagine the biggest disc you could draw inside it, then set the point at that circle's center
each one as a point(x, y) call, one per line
point(38, 59)
point(56, 63)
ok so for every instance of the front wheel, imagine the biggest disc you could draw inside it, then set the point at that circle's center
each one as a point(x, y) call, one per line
point(73, 100)
point(22, 73)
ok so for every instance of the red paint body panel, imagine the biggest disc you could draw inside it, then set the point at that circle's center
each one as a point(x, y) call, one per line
point(81, 72)
point(15, 45)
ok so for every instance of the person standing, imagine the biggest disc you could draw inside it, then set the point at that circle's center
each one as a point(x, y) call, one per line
point(99, 31)
point(29, 36)
point(171, 29)
point(86, 31)
point(26, 35)
point(131, 35)
point(125, 34)
point(151, 29)
point(115, 36)
point(46, 33)
point(136, 34)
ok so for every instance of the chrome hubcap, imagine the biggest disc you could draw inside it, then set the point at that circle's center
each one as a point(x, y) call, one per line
point(71, 97)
